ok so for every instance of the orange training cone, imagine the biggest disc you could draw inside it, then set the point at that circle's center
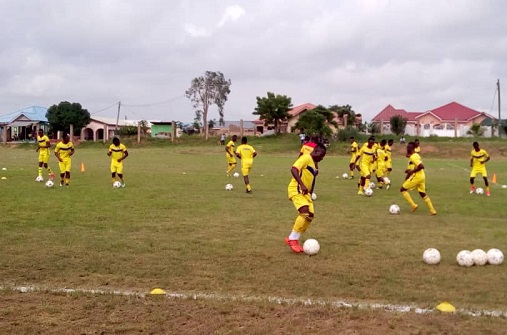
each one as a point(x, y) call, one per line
point(82, 167)
point(493, 180)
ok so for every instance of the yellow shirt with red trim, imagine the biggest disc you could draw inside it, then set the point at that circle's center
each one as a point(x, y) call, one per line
point(117, 152)
point(307, 172)
point(367, 154)
point(43, 141)
point(478, 157)
point(64, 150)
point(413, 162)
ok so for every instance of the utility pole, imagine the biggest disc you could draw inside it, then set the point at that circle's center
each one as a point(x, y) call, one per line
point(499, 116)
point(117, 118)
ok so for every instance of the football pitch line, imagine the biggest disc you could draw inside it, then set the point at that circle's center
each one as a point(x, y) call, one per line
point(273, 300)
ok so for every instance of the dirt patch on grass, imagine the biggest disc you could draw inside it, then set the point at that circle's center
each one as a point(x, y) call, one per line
point(50, 313)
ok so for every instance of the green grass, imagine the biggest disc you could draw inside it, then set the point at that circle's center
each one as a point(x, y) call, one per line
point(185, 233)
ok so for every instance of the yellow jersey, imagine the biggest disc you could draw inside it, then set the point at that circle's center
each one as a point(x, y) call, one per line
point(64, 150)
point(307, 172)
point(117, 151)
point(413, 162)
point(367, 154)
point(478, 157)
point(42, 142)
point(246, 153)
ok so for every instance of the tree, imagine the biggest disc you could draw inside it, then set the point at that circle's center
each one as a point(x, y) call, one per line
point(61, 116)
point(207, 90)
point(342, 110)
point(476, 130)
point(398, 124)
point(274, 109)
point(317, 121)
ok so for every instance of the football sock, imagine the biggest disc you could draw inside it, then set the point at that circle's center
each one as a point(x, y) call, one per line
point(352, 173)
point(248, 187)
point(367, 183)
point(294, 235)
point(231, 167)
point(67, 180)
point(302, 222)
point(40, 171)
point(428, 203)
point(407, 197)
point(114, 179)
point(49, 170)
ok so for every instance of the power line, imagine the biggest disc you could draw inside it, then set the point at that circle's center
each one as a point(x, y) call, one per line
point(156, 103)
point(115, 104)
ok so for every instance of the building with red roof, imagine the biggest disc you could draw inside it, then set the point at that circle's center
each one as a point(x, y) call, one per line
point(452, 120)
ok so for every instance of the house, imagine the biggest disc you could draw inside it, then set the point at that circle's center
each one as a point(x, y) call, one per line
point(450, 120)
point(295, 113)
point(240, 128)
point(22, 125)
point(102, 128)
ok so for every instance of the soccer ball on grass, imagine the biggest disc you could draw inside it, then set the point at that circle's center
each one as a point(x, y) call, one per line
point(229, 187)
point(311, 247)
point(480, 257)
point(464, 258)
point(50, 183)
point(236, 174)
point(431, 256)
point(39, 179)
point(368, 192)
point(345, 176)
point(314, 196)
point(495, 256)
point(372, 185)
point(394, 209)
point(116, 184)
point(479, 191)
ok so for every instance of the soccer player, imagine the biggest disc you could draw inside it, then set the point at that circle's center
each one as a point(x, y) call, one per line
point(353, 151)
point(43, 146)
point(246, 153)
point(229, 155)
point(478, 160)
point(415, 179)
point(300, 189)
point(389, 151)
point(63, 151)
point(381, 163)
point(367, 156)
point(118, 152)
point(417, 148)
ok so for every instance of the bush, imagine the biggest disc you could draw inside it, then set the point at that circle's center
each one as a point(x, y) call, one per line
point(344, 134)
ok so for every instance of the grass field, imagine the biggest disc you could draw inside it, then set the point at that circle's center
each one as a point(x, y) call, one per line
point(175, 227)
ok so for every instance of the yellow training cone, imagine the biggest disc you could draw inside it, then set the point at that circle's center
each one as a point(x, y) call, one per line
point(157, 291)
point(446, 307)
point(493, 180)
point(4, 177)
point(82, 167)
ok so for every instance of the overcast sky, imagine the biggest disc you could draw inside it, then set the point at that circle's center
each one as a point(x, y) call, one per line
point(414, 55)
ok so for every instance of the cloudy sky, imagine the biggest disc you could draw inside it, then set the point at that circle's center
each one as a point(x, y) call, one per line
point(414, 55)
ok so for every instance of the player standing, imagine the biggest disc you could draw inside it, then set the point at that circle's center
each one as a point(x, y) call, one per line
point(353, 151)
point(389, 153)
point(415, 179)
point(381, 163)
point(43, 146)
point(118, 152)
point(367, 156)
point(63, 151)
point(246, 153)
point(229, 155)
point(300, 189)
point(478, 160)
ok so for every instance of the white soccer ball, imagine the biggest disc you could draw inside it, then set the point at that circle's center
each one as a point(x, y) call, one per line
point(229, 187)
point(236, 174)
point(314, 196)
point(387, 181)
point(372, 185)
point(431, 256)
point(116, 184)
point(504, 186)
point(345, 176)
point(480, 257)
point(50, 183)
point(39, 179)
point(495, 256)
point(394, 209)
point(311, 247)
point(479, 190)
point(464, 258)
point(368, 192)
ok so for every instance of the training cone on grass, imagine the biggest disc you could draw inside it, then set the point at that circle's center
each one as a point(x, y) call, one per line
point(82, 167)
point(157, 291)
point(493, 180)
point(446, 307)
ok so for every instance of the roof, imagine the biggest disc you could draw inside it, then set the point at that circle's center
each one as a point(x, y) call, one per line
point(449, 112)
point(454, 110)
point(112, 121)
point(295, 111)
point(33, 113)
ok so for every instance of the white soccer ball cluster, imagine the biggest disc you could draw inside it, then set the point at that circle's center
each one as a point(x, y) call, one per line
point(311, 247)
point(229, 187)
point(431, 256)
point(394, 209)
point(479, 190)
point(479, 257)
point(368, 192)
